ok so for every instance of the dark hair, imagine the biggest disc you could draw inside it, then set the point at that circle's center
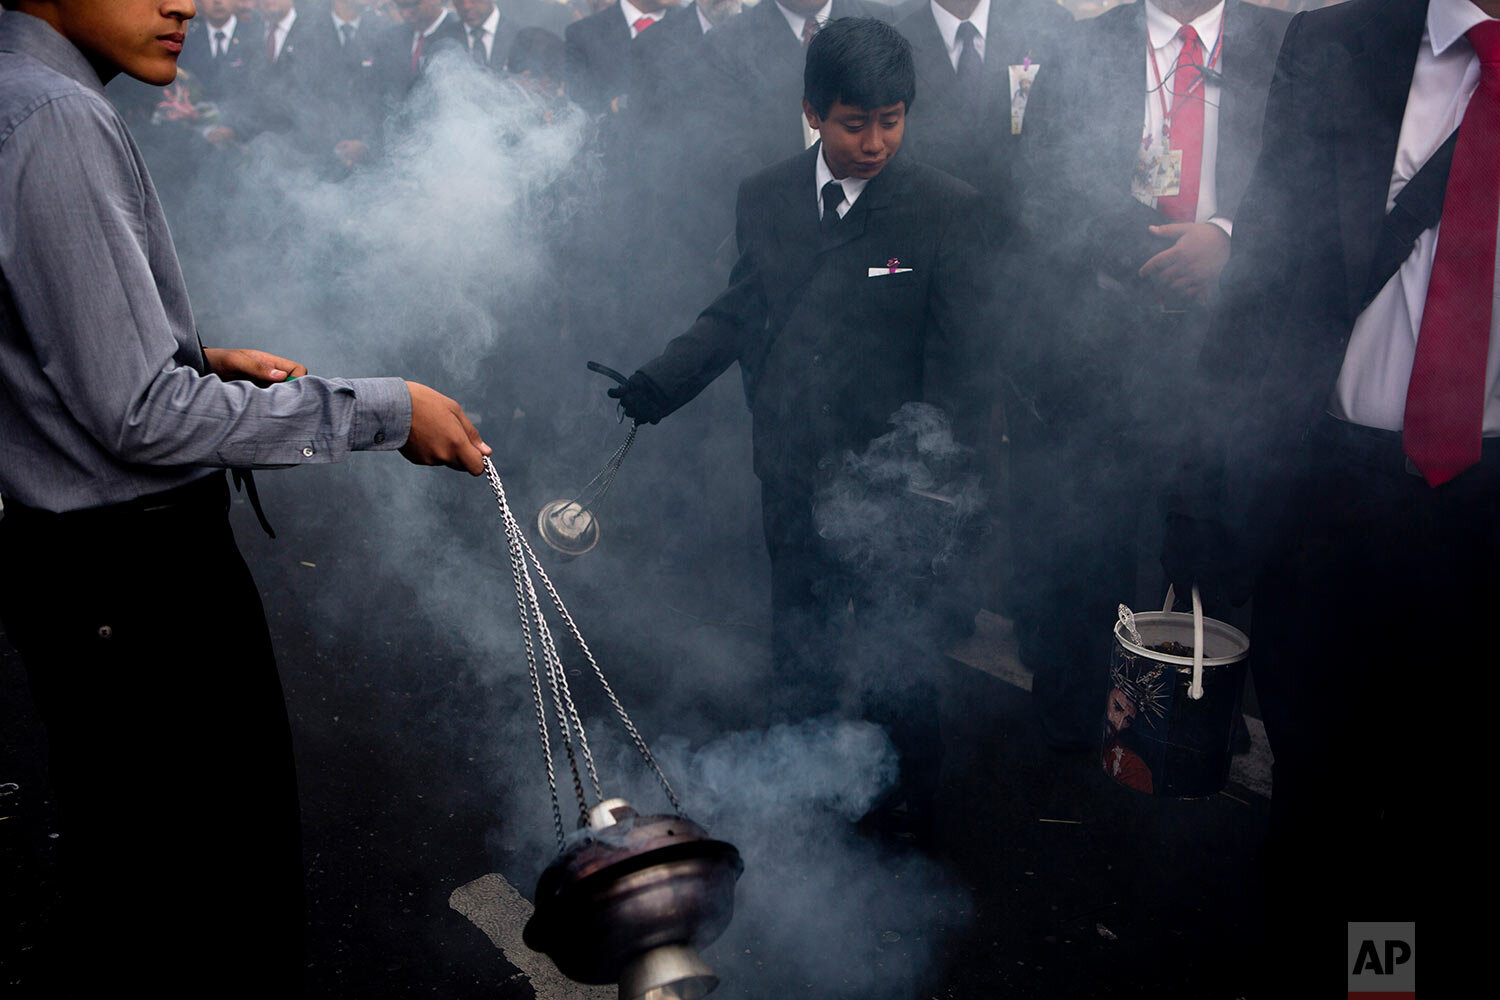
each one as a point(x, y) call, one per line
point(861, 61)
point(537, 50)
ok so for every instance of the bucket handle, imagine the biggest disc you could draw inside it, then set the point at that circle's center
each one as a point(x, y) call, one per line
point(1195, 690)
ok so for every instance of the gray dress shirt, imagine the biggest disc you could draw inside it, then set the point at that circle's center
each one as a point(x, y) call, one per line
point(103, 391)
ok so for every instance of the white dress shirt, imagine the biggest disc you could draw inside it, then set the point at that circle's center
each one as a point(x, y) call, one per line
point(633, 14)
point(1371, 389)
point(798, 21)
point(1165, 46)
point(488, 27)
point(215, 49)
point(703, 21)
point(853, 187)
point(279, 30)
point(947, 26)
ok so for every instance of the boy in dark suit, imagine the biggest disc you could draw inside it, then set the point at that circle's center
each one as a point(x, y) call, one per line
point(857, 290)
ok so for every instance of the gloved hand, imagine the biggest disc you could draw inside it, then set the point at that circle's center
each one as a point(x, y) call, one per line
point(1202, 551)
point(642, 399)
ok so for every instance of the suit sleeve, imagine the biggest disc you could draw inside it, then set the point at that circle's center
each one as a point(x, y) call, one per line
point(582, 87)
point(958, 349)
point(725, 331)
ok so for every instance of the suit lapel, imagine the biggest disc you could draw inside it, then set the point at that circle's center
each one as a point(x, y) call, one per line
point(1383, 55)
point(1122, 72)
point(876, 197)
point(796, 225)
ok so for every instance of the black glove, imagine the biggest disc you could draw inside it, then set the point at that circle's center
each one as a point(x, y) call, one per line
point(642, 399)
point(1201, 551)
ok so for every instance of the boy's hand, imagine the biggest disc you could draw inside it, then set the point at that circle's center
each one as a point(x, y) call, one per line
point(1188, 270)
point(259, 367)
point(441, 434)
point(641, 399)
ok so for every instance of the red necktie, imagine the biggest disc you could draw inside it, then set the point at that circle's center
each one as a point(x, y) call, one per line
point(416, 53)
point(642, 23)
point(809, 28)
point(1444, 424)
point(1185, 125)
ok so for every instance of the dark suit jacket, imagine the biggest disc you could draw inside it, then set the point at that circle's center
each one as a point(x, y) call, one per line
point(336, 87)
point(828, 353)
point(975, 143)
point(1083, 351)
point(598, 58)
point(1304, 244)
point(393, 54)
point(505, 34)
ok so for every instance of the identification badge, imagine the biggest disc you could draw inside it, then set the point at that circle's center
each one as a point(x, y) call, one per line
point(1158, 171)
point(1021, 78)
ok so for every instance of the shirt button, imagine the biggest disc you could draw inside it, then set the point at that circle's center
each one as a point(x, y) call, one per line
point(307, 453)
point(380, 437)
point(827, 409)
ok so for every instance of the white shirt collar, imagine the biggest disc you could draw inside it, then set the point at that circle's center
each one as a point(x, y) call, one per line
point(284, 25)
point(1161, 27)
point(339, 22)
point(1450, 20)
point(796, 21)
point(227, 27)
point(703, 22)
point(948, 24)
point(853, 186)
point(633, 14)
point(492, 22)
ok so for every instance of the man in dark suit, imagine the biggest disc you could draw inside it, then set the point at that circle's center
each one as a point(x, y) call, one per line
point(335, 71)
point(1353, 381)
point(858, 289)
point(425, 28)
point(489, 32)
point(969, 78)
point(219, 51)
point(599, 52)
point(1139, 139)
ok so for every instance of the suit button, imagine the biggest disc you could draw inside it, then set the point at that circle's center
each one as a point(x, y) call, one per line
point(817, 359)
point(827, 409)
point(105, 632)
point(824, 464)
point(307, 453)
point(380, 437)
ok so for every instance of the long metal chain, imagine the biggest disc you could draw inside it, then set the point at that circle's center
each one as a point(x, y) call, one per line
point(523, 562)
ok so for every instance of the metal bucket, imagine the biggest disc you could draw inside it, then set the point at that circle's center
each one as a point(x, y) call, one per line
point(1168, 719)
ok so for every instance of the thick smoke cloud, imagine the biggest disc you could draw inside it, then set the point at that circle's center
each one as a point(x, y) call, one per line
point(439, 262)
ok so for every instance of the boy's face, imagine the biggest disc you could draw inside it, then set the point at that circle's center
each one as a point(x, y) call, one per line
point(140, 37)
point(858, 142)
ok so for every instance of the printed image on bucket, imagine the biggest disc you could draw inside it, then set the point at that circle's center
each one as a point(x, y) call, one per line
point(1170, 714)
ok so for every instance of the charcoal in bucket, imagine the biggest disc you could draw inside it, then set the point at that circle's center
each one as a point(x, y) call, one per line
point(1158, 737)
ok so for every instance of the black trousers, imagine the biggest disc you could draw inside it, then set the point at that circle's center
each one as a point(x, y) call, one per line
point(169, 749)
point(1375, 660)
point(840, 643)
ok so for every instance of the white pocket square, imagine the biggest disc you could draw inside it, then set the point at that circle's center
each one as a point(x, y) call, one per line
point(880, 272)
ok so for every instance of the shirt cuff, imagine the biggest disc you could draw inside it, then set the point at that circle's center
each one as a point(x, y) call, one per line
point(1225, 224)
point(382, 414)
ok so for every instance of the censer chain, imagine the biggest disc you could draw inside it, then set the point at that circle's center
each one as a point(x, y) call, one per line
point(570, 725)
point(606, 474)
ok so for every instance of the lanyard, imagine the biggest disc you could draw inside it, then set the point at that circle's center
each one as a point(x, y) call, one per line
point(1213, 57)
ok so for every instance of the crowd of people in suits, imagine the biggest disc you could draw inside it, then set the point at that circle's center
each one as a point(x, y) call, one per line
point(1158, 184)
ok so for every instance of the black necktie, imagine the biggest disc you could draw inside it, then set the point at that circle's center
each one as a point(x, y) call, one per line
point(476, 45)
point(833, 197)
point(970, 62)
point(220, 43)
point(346, 35)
